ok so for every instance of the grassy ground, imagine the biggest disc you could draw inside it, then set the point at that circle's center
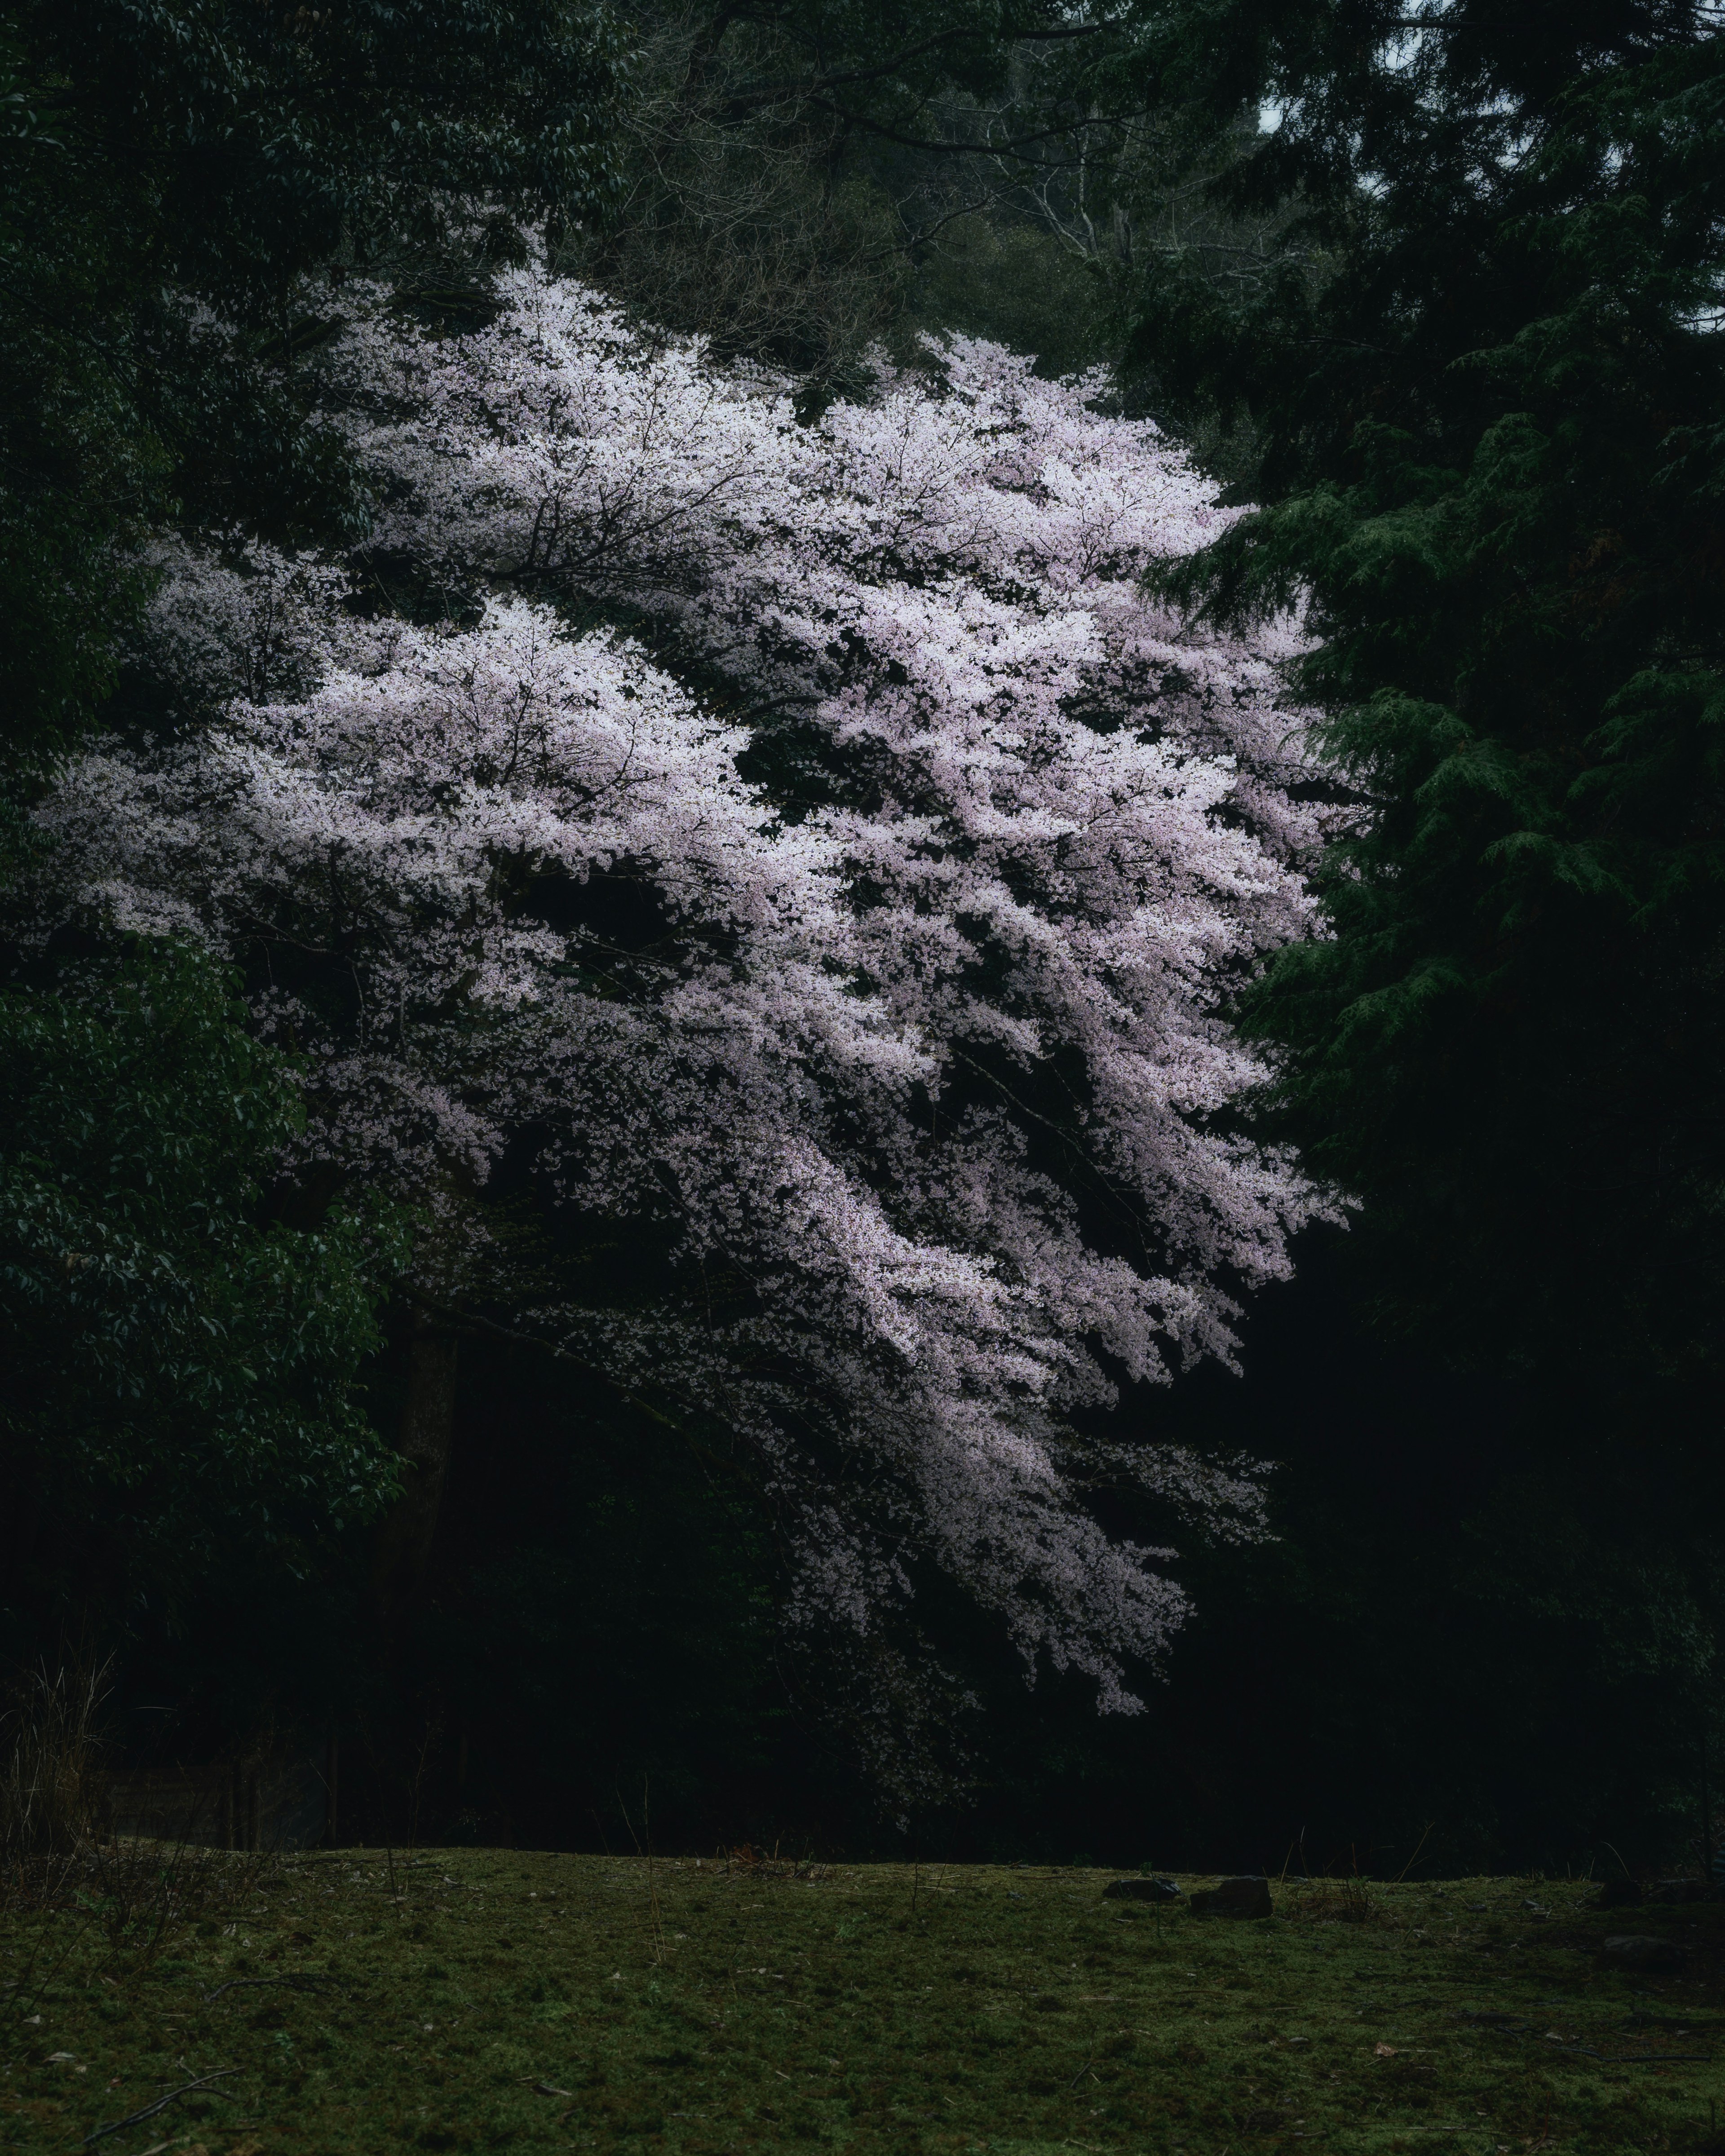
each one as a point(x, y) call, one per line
point(492, 2000)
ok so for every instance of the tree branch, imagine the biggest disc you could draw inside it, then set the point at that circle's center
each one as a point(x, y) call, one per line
point(487, 1328)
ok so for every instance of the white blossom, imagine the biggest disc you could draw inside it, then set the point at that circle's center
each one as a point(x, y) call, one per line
point(860, 919)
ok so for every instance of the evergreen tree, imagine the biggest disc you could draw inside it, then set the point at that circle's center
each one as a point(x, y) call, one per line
point(1482, 367)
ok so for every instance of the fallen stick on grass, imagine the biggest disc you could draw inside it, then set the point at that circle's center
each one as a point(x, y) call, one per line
point(244, 1982)
point(162, 2103)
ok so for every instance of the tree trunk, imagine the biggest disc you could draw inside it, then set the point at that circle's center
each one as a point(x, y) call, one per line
point(424, 1439)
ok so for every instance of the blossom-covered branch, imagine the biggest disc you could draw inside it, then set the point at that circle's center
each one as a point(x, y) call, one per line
point(809, 847)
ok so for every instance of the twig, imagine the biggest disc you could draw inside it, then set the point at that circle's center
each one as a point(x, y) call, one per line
point(162, 2103)
point(1506, 2025)
point(658, 1921)
point(1415, 1858)
point(491, 1330)
point(245, 1983)
point(791, 89)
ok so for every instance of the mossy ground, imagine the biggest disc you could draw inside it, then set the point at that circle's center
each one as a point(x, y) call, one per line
point(494, 2000)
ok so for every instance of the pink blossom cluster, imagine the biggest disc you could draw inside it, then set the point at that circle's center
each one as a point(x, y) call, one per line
point(815, 851)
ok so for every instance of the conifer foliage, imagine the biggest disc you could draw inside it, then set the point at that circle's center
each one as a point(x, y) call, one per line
point(1486, 373)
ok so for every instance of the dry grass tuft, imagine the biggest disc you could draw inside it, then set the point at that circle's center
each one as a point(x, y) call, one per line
point(51, 1780)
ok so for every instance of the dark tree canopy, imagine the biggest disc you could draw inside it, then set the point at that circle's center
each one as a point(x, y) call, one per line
point(181, 1367)
point(166, 173)
point(1483, 369)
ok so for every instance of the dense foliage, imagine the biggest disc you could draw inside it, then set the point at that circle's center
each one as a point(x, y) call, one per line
point(796, 861)
point(180, 1370)
point(1482, 364)
point(168, 176)
point(853, 947)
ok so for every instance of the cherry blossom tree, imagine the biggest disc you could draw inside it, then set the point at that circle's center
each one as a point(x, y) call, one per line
point(793, 837)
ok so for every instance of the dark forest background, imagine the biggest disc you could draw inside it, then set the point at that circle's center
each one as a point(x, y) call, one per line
point(1442, 290)
point(1472, 1643)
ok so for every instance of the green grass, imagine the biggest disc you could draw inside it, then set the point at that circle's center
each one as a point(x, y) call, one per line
point(492, 2000)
